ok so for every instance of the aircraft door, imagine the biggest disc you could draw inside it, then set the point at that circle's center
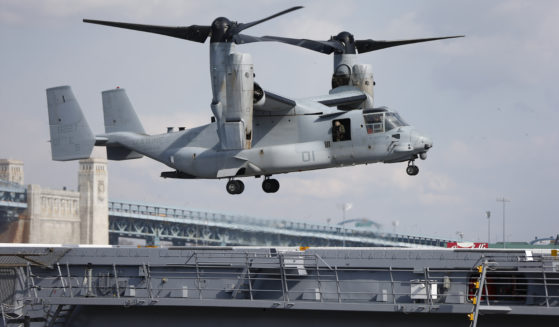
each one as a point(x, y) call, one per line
point(342, 145)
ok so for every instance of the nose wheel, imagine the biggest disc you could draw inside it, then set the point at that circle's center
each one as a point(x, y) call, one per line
point(235, 187)
point(270, 185)
point(412, 169)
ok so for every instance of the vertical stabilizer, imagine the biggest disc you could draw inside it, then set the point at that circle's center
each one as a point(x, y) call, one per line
point(119, 116)
point(70, 135)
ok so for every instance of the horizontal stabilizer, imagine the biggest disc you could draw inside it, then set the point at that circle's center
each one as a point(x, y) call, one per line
point(70, 135)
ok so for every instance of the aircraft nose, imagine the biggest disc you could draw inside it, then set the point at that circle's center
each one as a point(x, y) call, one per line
point(427, 143)
point(421, 142)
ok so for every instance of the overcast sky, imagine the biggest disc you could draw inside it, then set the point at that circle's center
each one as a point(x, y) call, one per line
point(489, 102)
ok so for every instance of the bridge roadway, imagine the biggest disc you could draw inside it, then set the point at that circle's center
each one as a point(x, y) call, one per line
point(195, 227)
point(182, 226)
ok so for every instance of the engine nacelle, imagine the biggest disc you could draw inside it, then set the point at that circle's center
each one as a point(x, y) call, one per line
point(362, 78)
point(240, 96)
point(347, 72)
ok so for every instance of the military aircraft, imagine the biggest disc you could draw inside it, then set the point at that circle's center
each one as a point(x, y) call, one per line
point(254, 132)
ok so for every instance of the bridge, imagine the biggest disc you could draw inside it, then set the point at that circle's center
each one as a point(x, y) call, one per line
point(13, 202)
point(156, 224)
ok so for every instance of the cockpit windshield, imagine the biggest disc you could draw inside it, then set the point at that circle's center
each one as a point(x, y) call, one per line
point(379, 121)
point(393, 120)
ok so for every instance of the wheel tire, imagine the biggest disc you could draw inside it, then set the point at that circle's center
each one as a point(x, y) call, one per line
point(275, 185)
point(241, 187)
point(410, 170)
point(232, 187)
point(415, 170)
point(268, 186)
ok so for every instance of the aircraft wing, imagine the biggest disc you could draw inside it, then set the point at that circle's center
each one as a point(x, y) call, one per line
point(272, 102)
point(341, 97)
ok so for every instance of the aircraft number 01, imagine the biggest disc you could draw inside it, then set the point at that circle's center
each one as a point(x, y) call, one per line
point(307, 156)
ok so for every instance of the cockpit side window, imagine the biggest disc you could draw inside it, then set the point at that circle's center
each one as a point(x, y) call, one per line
point(374, 123)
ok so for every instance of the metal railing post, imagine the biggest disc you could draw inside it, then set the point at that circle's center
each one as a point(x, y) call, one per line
point(338, 284)
point(392, 285)
point(248, 277)
point(116, 281)
point(284, 287)
point(198, 286)
point(61, 278)
point(545, 286)
point(69, 280)
point(428, 287)
point(318, 279)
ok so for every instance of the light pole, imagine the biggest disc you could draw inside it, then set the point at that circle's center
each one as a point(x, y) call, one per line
point(345, 207)
point(504, 201)
point(395, 224)
point(488, 213)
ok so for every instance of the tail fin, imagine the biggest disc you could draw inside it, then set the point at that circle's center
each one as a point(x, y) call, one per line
point(119, 116)
point(70, 135)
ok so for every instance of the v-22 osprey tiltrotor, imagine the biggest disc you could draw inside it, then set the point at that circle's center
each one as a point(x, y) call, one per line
point(253, 132)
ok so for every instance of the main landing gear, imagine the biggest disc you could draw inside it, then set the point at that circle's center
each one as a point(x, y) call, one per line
point(412, 169)
point(270, 185)
point(235, 187)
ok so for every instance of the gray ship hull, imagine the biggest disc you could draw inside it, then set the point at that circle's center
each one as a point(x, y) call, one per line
point(250, 286)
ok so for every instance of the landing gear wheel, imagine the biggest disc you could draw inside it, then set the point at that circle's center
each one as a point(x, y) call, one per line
point(235, 187)
point(412, 169)
point(270, 185)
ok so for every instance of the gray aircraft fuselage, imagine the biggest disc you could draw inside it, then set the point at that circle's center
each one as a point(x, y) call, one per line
point(301, 139)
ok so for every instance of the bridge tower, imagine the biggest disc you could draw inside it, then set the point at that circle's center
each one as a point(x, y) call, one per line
point(94, 203)
point(11, 171)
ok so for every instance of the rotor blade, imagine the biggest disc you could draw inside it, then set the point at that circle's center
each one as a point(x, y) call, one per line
point(243, 38)
point(247, 25)
point(326, 47)
point(196, 33)
point(363, 46)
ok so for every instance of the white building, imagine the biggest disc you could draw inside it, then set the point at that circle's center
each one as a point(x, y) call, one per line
point(60, 216)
